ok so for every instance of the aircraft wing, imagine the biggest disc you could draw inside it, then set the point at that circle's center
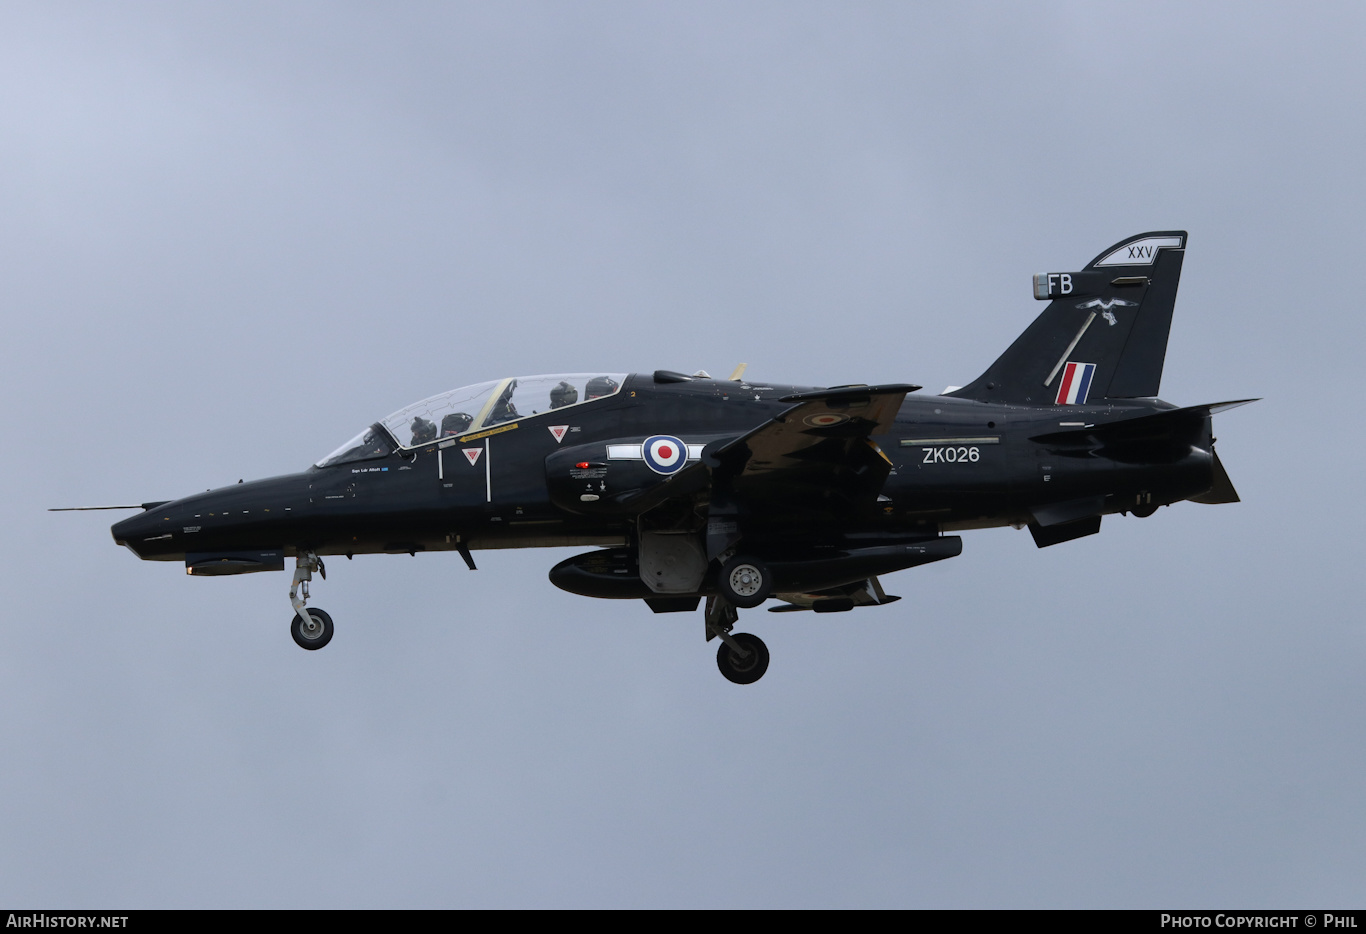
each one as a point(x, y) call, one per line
point(817, 455)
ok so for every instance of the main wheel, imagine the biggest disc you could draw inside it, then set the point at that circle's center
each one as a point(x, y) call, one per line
point(315, 633)
point(743, 670)
point(745, 582)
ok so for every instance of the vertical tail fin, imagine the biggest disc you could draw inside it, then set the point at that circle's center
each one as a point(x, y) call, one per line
point(1103, 334)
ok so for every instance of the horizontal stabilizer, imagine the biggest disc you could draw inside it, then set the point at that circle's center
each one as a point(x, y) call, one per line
point(1151, 425)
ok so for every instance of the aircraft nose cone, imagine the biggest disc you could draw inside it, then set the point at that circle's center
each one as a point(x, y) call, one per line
point(126, 529)
point(135, 531)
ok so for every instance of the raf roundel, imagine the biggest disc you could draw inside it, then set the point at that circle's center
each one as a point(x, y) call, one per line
point(664, 454)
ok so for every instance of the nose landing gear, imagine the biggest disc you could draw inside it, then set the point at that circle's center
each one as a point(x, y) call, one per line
point(315, 633)
point(311, 629)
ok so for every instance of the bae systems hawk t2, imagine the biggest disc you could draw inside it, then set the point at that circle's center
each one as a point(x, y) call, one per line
point(688, 488)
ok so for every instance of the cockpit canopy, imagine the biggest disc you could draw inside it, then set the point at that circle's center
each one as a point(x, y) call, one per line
point(471, 408)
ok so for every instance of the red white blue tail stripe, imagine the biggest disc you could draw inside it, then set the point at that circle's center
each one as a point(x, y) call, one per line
point(1076, 383)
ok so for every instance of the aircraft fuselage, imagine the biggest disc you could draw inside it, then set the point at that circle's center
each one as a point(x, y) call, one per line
point(955, 464)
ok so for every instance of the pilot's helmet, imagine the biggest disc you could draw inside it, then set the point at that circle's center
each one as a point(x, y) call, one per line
point(455, 423)
point(562, 395)
point(600, 386)
point(424, 430)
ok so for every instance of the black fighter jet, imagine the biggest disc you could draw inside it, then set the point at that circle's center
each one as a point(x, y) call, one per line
point(688, 488)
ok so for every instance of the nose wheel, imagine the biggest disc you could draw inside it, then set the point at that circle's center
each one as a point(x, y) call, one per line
point(311, 629)
point(313, 634)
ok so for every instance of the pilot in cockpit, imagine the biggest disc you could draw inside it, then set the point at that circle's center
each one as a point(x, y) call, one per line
point(563, 394)
point(600, 386)
point(424, 430)
point(455, 423)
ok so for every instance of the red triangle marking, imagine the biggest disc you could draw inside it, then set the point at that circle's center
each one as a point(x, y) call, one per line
point(472, 454)
point(558, 431)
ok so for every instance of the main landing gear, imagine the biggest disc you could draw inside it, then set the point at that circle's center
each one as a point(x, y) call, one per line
point(746, 668)
point(742, 657)
point(745, 581)
point(311, 629)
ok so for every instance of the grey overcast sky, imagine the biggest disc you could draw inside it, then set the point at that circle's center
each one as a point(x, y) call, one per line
point(233, 234)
